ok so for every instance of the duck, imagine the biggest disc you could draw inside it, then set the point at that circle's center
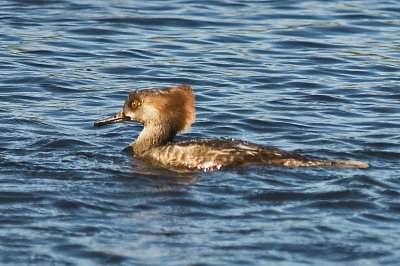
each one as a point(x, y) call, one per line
point(166, 112)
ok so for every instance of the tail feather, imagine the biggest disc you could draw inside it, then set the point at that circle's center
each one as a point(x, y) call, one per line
point(274, 156)
point(296, 162)
point(349, 164)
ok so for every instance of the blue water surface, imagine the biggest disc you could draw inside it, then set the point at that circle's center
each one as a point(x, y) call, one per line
point(318, 77)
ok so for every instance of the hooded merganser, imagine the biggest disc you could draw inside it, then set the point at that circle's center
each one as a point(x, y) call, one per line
point(169, 111)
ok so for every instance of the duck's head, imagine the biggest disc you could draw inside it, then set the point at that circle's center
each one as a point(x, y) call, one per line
point(171, 107)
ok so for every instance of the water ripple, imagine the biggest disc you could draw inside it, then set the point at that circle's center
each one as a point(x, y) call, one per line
point(315, 77)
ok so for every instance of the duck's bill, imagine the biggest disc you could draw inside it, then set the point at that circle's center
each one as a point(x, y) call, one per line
point(119, 117)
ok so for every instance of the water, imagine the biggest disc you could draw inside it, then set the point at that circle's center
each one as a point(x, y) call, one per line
point(320, 77)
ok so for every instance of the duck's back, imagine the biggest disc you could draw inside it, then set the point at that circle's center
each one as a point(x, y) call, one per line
point(212, 154)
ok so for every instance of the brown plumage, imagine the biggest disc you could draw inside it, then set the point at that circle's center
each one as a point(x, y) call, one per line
point(169, 111)
point(175, 106)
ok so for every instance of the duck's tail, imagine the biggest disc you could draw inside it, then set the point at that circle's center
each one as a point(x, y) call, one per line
point(274, 156)
point(326, 163)
point(349, 164)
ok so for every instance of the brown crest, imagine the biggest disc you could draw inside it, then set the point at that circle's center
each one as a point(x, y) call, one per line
point(175, 105)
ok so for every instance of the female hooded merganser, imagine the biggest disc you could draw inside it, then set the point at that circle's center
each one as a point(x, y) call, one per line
point(169, 111)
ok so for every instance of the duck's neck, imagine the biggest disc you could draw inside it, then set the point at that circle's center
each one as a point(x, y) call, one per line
point(152, 136)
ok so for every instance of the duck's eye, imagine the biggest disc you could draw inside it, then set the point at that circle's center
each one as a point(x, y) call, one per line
point(135, 104)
